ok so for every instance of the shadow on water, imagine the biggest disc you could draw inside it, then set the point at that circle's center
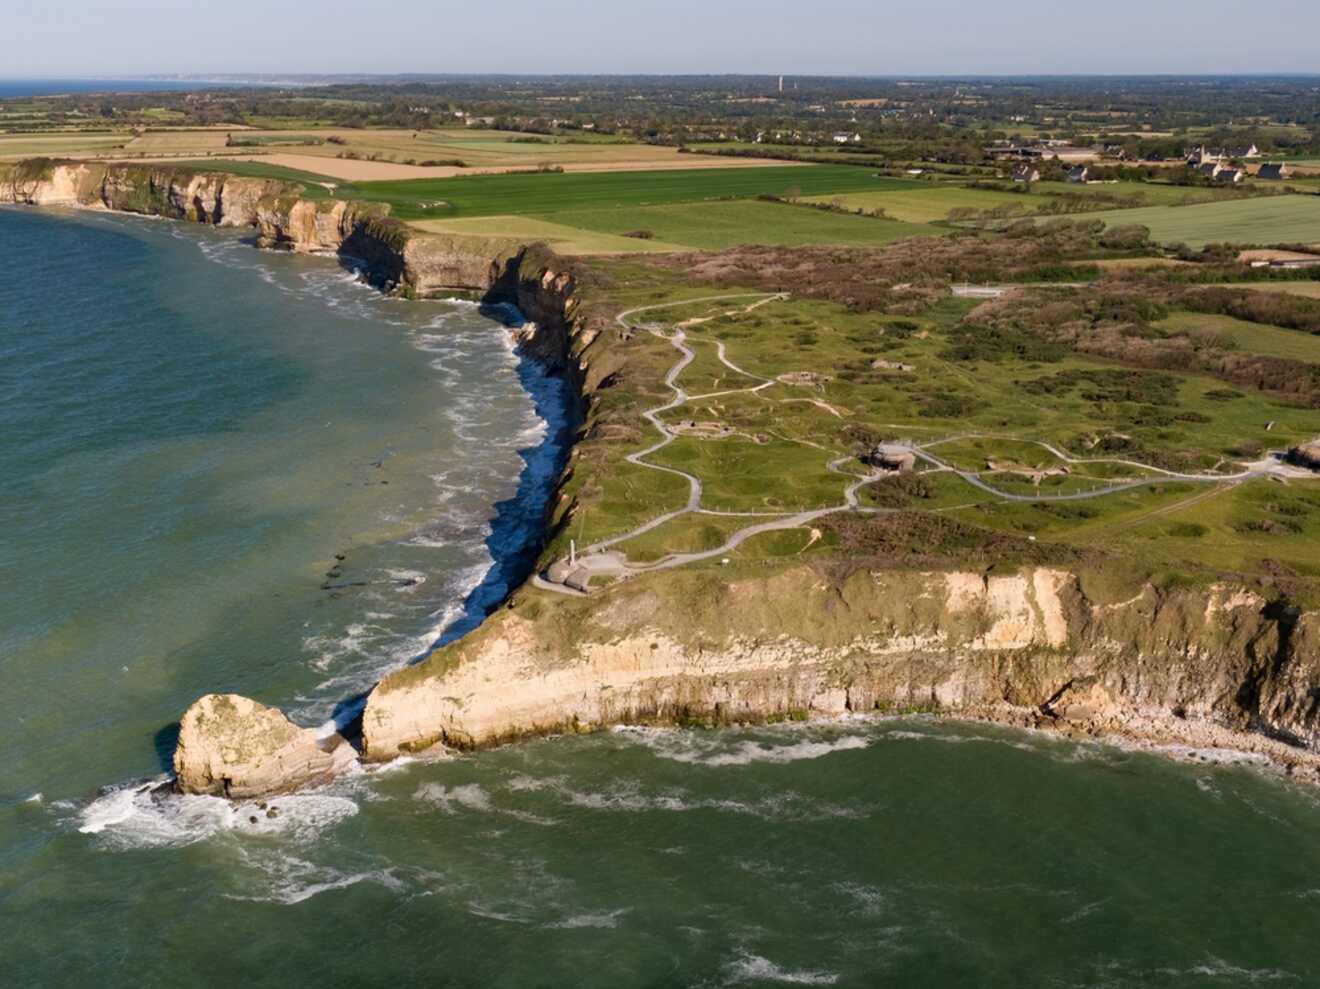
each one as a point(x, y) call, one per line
point(517, 530)
point(166, 740)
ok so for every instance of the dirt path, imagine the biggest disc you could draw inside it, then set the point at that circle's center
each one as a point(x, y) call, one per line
point(598, 559)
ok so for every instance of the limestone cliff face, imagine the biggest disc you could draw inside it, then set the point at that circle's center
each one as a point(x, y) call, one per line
point(392, 255)
point(1208, 666)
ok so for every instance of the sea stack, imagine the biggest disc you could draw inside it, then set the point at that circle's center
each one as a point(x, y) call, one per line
point(231, 746)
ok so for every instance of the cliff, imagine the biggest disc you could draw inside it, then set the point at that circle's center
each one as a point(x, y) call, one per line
point(392, 255)
point(1214, 666)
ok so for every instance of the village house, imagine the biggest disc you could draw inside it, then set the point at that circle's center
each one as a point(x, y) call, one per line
point(1230, 176)
point(1079, 174)
point(842, 137)
point(1026, 174)
point(1273, 172)
point(1197, 157)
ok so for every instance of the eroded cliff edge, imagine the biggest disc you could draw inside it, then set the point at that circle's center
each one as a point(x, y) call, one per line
point(1218, 666)
point(392, 255)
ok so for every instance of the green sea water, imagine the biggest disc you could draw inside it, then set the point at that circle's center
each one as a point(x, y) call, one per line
point(192, 431)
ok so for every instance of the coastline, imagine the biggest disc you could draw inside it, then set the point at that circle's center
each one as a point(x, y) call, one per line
point(542, 287)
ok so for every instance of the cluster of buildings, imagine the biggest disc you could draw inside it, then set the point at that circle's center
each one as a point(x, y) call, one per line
point(1054, 150)
point(1227, 165)
point(1196, 157)
point(1026, 173)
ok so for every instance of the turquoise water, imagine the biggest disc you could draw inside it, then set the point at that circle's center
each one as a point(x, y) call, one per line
point(192, 430)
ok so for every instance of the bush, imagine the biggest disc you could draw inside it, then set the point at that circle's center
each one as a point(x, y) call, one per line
point(640, 234)
point(1127, 237)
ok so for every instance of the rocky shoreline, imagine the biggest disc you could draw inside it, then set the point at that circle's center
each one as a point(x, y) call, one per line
point(1170, 670)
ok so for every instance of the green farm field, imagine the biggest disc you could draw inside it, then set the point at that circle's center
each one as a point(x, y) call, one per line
point(316, 186)
point(929, 203)
point(1256, 338)
point(1310, 290)
point(1263, 220)
point(534, 193)
point(564, 238)
point(718, 225)
point(925, 203)
point(16, 146)
point(1151, 193)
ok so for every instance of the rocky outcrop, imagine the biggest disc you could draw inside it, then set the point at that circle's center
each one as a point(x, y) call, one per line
point(1212, 666)
point(234, 747)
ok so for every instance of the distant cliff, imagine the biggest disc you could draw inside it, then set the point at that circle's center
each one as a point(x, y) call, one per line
point(394, 256)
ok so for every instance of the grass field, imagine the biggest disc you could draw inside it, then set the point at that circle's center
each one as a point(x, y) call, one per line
point(1264, 220)
point(927, 203)
point(1254, 337)
point(173, 142)
point(14, 146)
point(564, 239)
point(923, 203)
point(715, 226)
point(1310, 290)
point(778, 443)
point(490, 195)
point(1152, 193)
point(315, 184)
point(1257, 338)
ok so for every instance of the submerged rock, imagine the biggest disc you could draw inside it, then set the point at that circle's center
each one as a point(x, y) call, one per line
point(234, 747)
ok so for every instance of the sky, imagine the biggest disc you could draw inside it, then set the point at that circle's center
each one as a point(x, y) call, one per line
point(808, 37)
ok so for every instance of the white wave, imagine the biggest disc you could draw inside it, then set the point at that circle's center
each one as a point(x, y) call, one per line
point(1217, 968)
point(534, 784)
point(786, 805)
point(289, 880)
point(607, 919)
point(1085, 910)
point(469, 796)
point(36, 798)
point(137, 817)
point(869, 900)
point(754, 968)
point(489, 913)
point(748, 752)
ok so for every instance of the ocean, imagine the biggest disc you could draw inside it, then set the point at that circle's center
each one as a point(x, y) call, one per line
point(26, 88)
point(194, 433)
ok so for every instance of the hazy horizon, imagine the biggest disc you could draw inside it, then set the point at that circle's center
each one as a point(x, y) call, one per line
point(677, 37)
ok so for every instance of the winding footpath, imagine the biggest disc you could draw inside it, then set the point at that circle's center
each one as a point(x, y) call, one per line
point(600, 559)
